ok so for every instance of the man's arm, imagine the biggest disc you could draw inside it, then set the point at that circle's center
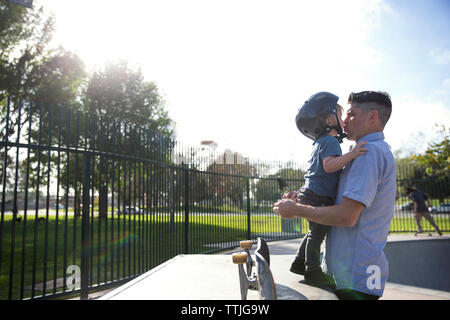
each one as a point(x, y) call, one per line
point(344, 214)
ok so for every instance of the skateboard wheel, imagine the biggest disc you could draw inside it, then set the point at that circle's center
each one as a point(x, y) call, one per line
point(247, 244)
point(240, 258)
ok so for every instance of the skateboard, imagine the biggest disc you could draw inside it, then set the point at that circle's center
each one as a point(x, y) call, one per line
point(262, 280)
point(416, 233)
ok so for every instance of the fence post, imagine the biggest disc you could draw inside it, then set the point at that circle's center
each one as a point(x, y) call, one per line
point(186, 210)
point(249, 234)
point(85, 228)
point(172, 201)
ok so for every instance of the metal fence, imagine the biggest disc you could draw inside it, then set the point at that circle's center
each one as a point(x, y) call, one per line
point(90, 202)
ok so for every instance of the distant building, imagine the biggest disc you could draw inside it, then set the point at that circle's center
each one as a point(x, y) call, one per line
point(209, 143)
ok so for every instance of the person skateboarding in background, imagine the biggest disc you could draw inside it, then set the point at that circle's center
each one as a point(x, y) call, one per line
point(421, 209)
point(320, 120)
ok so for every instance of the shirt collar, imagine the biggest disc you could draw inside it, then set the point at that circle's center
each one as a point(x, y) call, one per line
point(372, 137)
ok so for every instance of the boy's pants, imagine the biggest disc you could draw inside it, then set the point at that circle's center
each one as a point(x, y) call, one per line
point(310, 246)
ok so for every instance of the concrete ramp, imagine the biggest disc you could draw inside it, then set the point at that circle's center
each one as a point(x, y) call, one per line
point(210, 277)
point(419, 270)
point(421, 262)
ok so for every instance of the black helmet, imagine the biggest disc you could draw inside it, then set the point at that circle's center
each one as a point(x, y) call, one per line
point(311, 117)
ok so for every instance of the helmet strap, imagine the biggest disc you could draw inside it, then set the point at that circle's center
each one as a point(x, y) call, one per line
point(341, 135)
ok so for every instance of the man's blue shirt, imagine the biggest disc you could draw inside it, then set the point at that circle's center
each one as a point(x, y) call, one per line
point(316, 179)
point(354, 255)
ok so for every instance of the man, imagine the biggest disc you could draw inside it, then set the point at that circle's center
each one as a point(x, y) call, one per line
point(364, 206)
point(421, 209)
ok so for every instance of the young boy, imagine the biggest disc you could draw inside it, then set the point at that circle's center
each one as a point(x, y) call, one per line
point(320, 120)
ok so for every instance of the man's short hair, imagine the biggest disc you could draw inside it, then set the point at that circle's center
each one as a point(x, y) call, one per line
point(373, 100)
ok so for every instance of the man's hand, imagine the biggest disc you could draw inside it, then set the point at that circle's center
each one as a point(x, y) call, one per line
point(286, 208)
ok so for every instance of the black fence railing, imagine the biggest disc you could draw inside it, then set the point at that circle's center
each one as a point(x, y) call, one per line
point(90, 202)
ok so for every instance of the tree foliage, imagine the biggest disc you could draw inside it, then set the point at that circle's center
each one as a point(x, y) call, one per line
point(436, 158)
point(29, 68)
point(123, 108)
point(120, 92)
point(429, 171)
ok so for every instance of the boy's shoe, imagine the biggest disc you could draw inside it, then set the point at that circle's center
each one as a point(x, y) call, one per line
point(298, 267)
point(319, 279)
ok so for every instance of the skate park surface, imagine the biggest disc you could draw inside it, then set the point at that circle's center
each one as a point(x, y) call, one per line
point(418, 270)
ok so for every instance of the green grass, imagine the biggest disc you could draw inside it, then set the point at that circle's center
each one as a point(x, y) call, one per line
point(408, 223)
point(120, 247)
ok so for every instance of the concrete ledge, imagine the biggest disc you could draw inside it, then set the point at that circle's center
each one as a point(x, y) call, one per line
point(420, 262)
point(210, 277)
point(215, 277)
point(395, 291)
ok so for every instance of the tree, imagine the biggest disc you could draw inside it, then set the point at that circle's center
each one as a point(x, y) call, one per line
point(436, 164)
point(119, 93)
point(231, 179)
point(436, 158)
point(24, 36)
point(58, 79)
point(29, 68)
point(35, 77)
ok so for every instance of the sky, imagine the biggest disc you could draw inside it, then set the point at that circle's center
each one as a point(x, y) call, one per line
point(236, 72)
